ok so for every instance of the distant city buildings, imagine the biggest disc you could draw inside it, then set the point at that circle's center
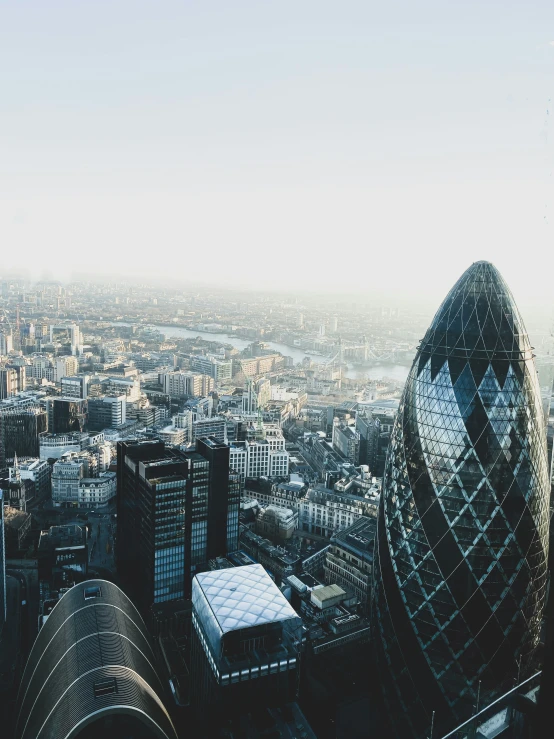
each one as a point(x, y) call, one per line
point(221, 370)
point(186, 384)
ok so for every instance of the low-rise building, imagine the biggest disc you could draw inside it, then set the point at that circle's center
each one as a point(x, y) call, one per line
point(277, 524)
point(62, 554)
point(97, 491)
point(17, 524)
point(274, 558)
point(37, 474)
point(53, 446)
point(324, 512)
point(67, 474)
point(349, 559)
point(346, 441)
point(282, 494)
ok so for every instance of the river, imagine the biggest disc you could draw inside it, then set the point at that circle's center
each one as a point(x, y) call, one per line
point(376, 372)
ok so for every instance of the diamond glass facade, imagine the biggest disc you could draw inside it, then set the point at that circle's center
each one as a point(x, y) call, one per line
point(461, 554)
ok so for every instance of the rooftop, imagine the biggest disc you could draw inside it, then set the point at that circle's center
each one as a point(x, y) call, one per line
point(62, 536)
point(241, 597)
point(359, 537)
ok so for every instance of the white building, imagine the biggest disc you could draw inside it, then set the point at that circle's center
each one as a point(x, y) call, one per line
point(276, 523)
point(6, 344)
point(238, 459)
point(279, 462)
point(42, 368)
point(183, 384)
point(75, 386)
point(66, 478)
point(220, 369)
point(324, 512)
point(97, 491)
point(257, 459)
point(53, 446)
point(66, 367)
point(173, 436)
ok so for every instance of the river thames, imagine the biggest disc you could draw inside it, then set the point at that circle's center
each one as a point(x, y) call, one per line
point(397, 372)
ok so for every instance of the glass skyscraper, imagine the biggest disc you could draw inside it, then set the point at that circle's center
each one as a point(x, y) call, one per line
point(461, 553)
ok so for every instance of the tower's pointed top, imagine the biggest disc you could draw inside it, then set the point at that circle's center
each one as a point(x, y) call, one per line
point(478, 319)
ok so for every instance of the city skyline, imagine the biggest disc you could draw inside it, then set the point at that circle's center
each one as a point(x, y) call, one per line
point(258, 475)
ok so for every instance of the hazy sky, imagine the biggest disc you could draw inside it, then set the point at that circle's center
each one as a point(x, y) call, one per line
point(382, 145)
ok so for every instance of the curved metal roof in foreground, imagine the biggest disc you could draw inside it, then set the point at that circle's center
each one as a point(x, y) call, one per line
point(91, 659)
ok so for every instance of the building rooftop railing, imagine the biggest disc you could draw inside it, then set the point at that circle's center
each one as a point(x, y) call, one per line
point(490, 721)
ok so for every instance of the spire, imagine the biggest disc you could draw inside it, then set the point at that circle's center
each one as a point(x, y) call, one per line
point(15, 475)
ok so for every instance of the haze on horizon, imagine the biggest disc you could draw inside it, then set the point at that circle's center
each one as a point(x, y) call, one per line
point(311, 147)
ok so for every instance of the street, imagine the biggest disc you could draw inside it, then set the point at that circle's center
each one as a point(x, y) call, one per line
point(101, 542)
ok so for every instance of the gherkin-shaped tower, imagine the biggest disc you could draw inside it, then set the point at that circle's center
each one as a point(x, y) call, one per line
point(461, 553)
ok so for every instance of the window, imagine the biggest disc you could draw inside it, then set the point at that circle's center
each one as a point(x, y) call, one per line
point(94, 592)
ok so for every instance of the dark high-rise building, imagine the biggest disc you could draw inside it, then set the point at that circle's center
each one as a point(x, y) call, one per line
point(91, 672)
point(66, 415)
point(20, 430)
point(3, 606)
point(461, 553)
point(223, 499)
point(176, 511)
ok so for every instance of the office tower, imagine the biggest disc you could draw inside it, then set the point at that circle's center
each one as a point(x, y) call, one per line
point(20, 431)
point(461, 551)
point(75, 386)
point(106, 413)
point(9, 382)
point(186, 384)
point(13, 379)
point(66, 415)
point(66, 367)
point(6, 343)
point(215, 427)
point(245, 644)
point(368, 428)
point(346, 441)
point(3, 604)
point(220, 369)
point(223, 499)
point(176, 511)
point(68, 334)
point(91, 672)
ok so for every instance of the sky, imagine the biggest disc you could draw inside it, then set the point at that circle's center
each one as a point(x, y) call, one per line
point(310, 145)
